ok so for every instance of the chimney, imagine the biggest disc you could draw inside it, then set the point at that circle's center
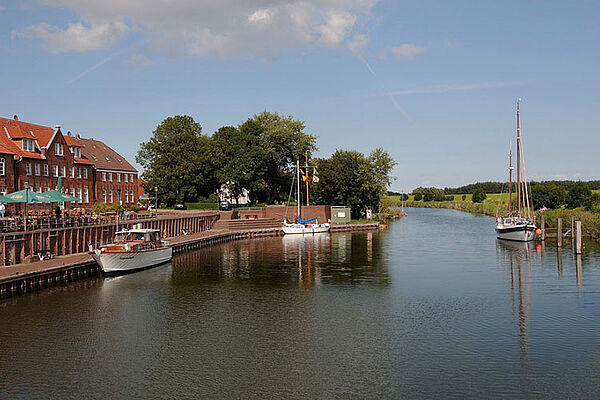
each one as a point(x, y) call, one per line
point(68, 133)
point(78, 136)
point(56, 126)
point(15, 117)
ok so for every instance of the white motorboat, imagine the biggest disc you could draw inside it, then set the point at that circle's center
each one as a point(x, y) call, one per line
point(518, 225)
point(133, 250)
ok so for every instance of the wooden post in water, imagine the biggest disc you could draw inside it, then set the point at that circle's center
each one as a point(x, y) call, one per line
point(572, 228)
point(543, 228)
point(559, 232)
point(578, 237)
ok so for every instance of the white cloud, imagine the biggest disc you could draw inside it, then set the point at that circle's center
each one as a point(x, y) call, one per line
point(139, 61)
point(407, 51)
point(232, 28)
point(359, 43)
point(76, 37)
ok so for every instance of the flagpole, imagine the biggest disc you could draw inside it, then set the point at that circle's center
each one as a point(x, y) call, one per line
point(307, 202)
point(298, 189)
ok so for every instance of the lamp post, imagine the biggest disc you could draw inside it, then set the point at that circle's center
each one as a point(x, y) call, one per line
point(156, 197)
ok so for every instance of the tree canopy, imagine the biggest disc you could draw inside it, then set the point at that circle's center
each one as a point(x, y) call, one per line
point(352, 179)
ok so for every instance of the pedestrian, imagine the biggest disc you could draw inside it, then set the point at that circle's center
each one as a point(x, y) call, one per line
point(2, 210)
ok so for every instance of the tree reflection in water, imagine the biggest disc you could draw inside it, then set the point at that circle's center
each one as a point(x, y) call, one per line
point(336, 258)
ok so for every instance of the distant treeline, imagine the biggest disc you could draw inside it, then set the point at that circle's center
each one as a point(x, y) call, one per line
point(502, 187)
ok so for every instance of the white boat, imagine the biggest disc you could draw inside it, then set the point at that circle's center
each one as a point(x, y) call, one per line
point(518, 225)
point(303, 227)
point(133, 250)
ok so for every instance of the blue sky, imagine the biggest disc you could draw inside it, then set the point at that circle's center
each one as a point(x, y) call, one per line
point(433, 82)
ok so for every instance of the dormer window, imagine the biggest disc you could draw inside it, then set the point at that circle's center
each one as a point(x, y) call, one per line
point(28, 145)
point(58, 149)
point(76, 152)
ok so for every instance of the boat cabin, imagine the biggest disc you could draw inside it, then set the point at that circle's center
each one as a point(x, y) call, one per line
point(138, 235)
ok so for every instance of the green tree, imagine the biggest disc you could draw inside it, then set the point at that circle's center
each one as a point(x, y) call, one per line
point(478, 195)
point(578, 195)
point(239, 158)
point(418, 196)
point(176, 160)
point(548, 195)
point(350, 178)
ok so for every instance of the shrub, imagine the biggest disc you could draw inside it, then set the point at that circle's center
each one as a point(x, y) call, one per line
point(548, 195)
point(479, 195)
point(418, 197)
point(464, 197)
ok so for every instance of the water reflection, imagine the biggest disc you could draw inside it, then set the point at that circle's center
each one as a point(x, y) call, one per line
point(307, 260)
point(517, 258)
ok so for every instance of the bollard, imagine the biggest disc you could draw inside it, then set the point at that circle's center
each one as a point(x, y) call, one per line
point(559, 232)
point(579, 271)
point(543, 228)
point(572, 228)
point(578, 237)
point(560, 264)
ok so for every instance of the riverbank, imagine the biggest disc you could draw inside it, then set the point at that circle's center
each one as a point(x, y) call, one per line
point(589, 220)
point(26, 277)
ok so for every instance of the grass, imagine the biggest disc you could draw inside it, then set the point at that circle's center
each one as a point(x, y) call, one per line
point(202, 206)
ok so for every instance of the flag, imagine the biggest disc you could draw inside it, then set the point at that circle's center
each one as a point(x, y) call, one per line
point(305, 178)
point(315, 178)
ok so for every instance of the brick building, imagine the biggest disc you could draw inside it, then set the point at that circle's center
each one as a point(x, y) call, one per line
point(36, 156)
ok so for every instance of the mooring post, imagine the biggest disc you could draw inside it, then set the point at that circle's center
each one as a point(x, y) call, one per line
point(572, 228)
point(578, 237)
point(559, 232)
point(543, 228)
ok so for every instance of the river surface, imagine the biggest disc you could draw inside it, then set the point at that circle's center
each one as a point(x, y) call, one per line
point(433, 307)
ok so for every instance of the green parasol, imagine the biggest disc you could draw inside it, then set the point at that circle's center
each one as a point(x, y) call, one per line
point(56, 196)
point(26, 196)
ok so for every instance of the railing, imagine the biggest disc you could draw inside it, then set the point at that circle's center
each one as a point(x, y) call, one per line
point(34, 223)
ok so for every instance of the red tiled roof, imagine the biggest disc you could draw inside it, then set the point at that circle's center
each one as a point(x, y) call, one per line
point(83, 161)
point(103, 156)
point(72, 142)
point(19, 129)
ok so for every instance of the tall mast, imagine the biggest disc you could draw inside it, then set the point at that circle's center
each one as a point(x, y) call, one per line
point(518, 159)
point(510, 170)
point(306, 155)
point(298, 187)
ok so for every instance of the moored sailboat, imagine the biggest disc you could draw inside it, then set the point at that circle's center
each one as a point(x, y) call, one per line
point(518, 225)
point(303, 226)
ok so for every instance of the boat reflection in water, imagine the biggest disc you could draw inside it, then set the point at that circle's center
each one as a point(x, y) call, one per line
point(326, 258)
point(517, 259)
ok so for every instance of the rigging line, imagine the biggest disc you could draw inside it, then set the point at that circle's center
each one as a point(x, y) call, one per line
point(290, 195)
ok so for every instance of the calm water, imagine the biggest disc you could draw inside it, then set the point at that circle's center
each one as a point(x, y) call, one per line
point(433, 307)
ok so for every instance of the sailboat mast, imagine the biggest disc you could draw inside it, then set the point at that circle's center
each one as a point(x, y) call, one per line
point(306, 155)
point(510, 191)
point(298, 187)
point(518, 159)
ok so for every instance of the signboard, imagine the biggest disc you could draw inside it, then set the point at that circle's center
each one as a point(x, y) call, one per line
point(369, 213)
point(341, 214)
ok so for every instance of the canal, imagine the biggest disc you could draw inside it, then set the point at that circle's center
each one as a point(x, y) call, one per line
point(432, 307)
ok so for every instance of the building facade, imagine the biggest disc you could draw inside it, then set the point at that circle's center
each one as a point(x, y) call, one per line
point(37, 156)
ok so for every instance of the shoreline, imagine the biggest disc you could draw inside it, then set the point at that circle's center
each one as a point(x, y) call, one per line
point(28, 277)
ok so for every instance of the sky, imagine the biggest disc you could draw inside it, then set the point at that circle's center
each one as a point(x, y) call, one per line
point(435, 83)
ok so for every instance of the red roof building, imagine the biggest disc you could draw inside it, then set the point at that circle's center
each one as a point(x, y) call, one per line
point(36, 156)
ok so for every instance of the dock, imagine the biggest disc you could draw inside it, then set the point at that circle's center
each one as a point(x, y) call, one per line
point(27, 277)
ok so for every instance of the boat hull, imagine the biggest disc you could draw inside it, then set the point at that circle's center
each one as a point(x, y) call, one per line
point(117, 263)
point(299, 229)
point(517, 233)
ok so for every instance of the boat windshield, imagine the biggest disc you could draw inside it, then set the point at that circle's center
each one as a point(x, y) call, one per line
point(135, 236)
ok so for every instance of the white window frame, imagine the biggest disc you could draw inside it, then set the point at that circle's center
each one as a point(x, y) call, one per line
point(110, 196)
point(78, 173)
point(58, 149)
point(104, 198)
point(55, 171)
point(85, 173)
point(2, 166)
point(118, 177)
point(46, 170)
point(37, 169)
point(28, 145)
point(132, 197)
point(86, 195)
point(72, 172)
point(125, 177)
point(79, 195)
point(110, 176)
point(63, 171)
point(104, 177)
point(28, 169)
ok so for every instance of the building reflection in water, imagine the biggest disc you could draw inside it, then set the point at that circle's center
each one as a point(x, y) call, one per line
point(308, 260)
